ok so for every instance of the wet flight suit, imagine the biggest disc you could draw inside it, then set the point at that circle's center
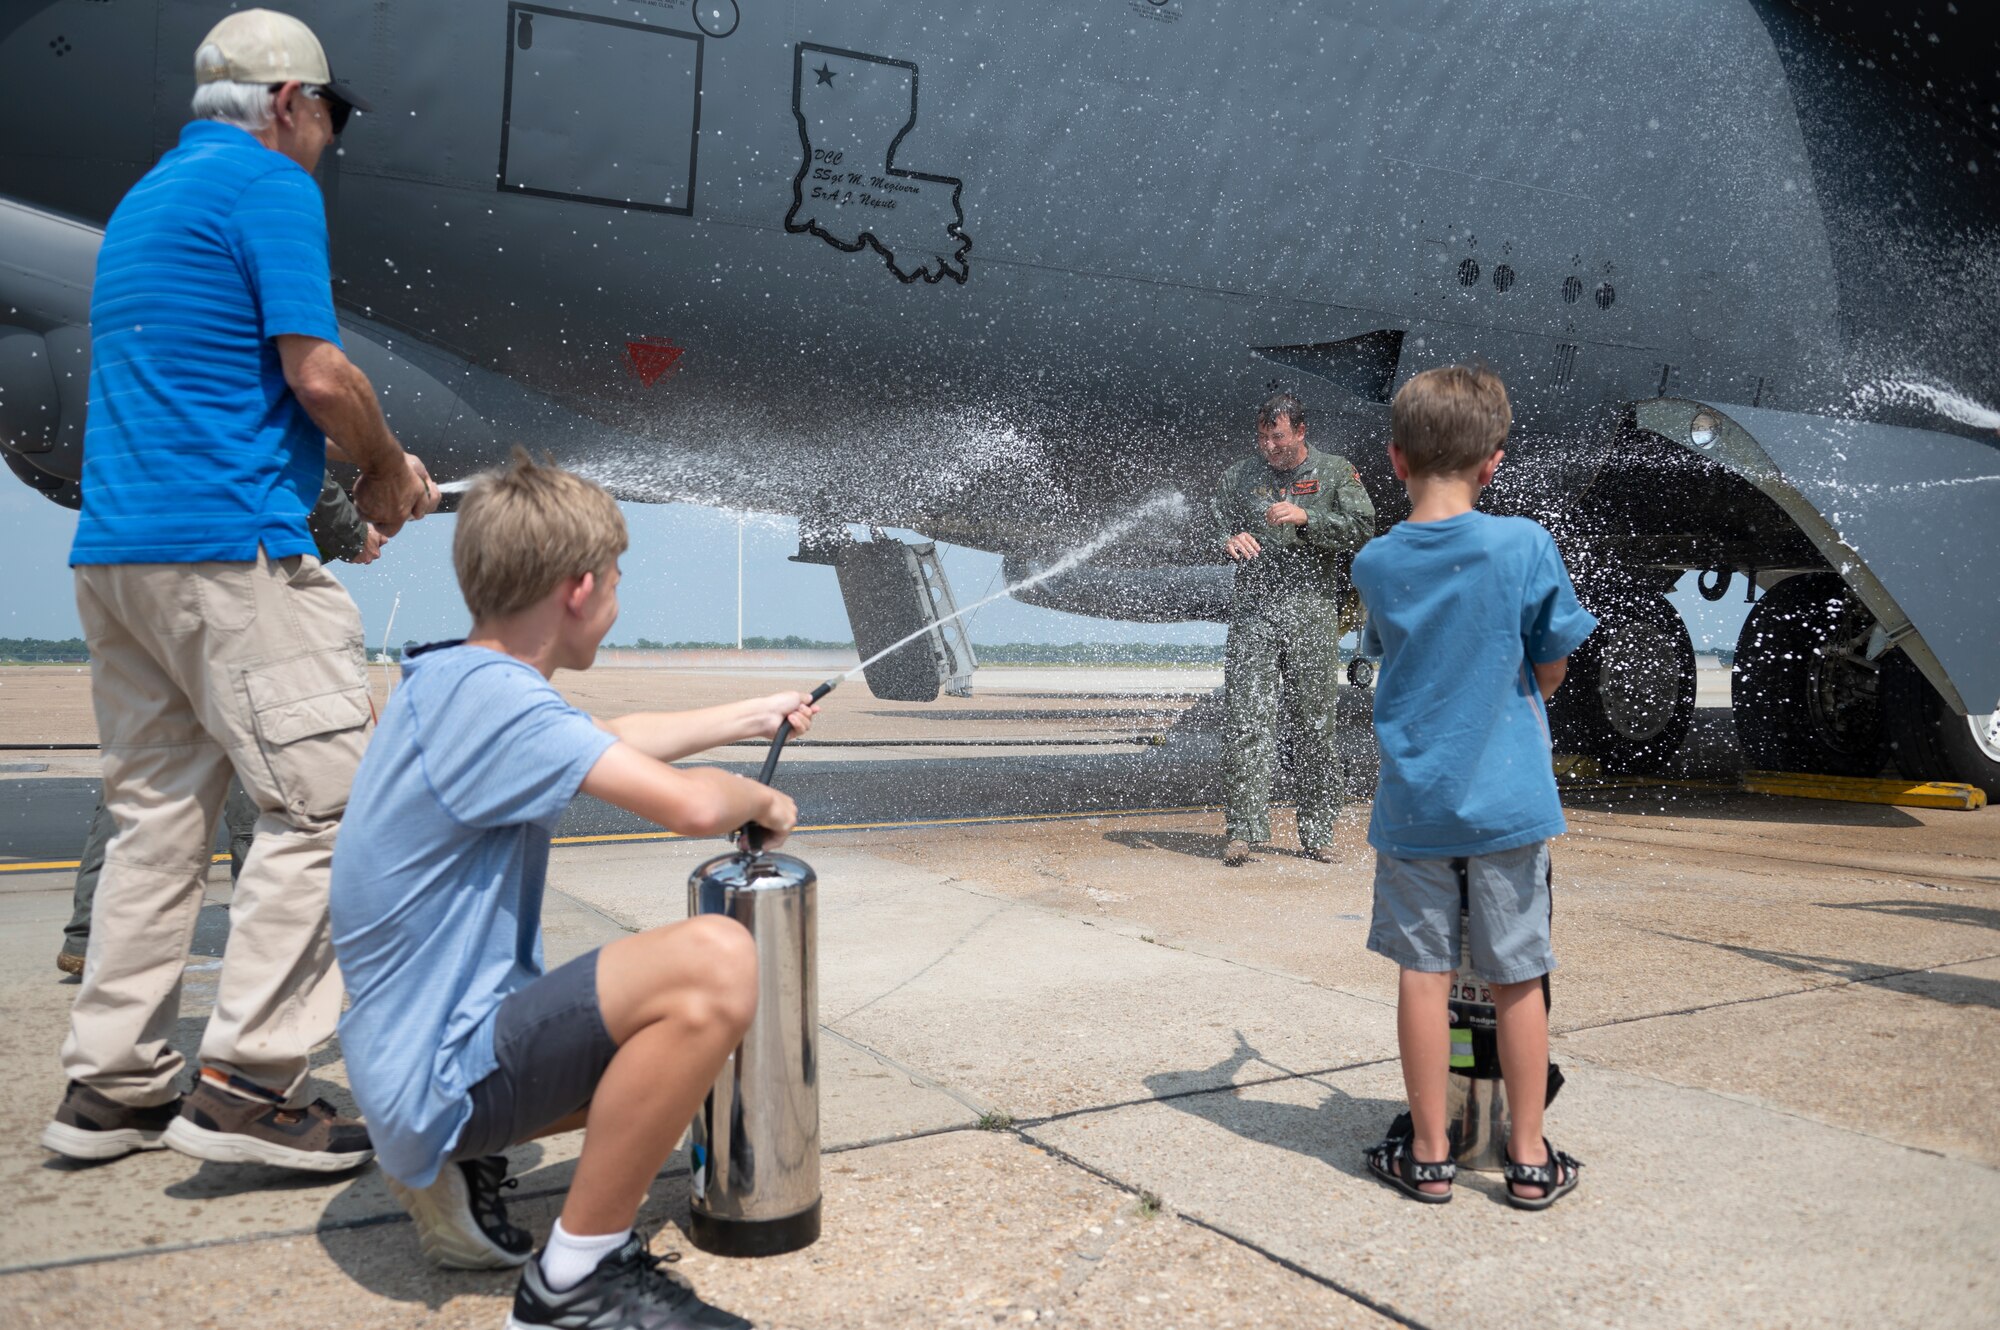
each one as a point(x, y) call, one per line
point(1284, 625)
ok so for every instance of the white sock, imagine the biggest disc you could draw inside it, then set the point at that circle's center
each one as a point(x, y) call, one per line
point(568, 1258)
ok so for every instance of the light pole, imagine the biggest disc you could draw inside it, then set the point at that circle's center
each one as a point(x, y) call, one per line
point(739, 581)
point(386, 632)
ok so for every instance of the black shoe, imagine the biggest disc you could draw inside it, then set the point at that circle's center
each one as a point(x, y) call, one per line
point(89, 1126)
point(461, 1220)
point(629, 1290)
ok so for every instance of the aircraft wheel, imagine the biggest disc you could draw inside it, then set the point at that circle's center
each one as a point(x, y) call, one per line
point(1805, 697)
point(1628, 698)
point(67, 493)
point(1361, 672)
point(1931, 742)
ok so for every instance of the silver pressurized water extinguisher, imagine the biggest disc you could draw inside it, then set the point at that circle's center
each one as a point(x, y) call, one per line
point(1475, 1096)
point(755, 1142)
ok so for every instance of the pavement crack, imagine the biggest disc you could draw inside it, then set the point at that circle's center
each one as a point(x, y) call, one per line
point(272, 1235)
point(1192, 1092)
point(1865, 980)
point(1228, 1235)
point(935, 961)
point(978, 1108)
point(587, 908)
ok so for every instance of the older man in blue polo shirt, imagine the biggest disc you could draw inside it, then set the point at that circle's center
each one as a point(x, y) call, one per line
point(218, 390)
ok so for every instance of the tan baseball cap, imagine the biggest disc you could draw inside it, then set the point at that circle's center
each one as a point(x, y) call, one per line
point(264, 46)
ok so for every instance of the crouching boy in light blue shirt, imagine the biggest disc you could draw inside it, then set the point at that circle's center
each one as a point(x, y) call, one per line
point(457, 1042)
point(1474, 618)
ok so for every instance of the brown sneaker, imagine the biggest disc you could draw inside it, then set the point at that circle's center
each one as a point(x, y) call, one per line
point(229, 1128)
point(87, 1125)
point(1236, 853)
point(69, 962)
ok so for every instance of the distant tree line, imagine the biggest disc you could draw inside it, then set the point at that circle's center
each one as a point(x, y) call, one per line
point(1099, 653)
point(788, 643)
point(995, 653)
point(70, 650)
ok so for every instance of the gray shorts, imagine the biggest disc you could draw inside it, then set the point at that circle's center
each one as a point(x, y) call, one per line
point(1507, 896)
point(552, 1048)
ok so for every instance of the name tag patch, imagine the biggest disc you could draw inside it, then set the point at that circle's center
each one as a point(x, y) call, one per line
point(1302, 487)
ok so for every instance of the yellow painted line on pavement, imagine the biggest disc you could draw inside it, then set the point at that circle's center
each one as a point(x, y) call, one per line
point(50, 865)
point(612, 838)
point(1797, 785)
point(1859, 790)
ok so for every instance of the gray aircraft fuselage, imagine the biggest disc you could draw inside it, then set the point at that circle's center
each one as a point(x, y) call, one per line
point(997, 272)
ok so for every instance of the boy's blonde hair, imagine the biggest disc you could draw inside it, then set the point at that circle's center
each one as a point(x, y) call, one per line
point(1450, 419)
point(523, 530)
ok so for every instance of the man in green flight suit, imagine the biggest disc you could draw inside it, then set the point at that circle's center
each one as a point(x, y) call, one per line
point(1292, 518)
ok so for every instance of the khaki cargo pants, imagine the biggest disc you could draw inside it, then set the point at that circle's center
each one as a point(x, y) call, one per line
point(199, 669)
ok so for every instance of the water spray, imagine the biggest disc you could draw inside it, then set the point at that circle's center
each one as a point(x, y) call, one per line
point(1939, 400)
point(1168, 499)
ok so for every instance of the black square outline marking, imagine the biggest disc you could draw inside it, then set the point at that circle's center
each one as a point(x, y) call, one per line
point(500, 184)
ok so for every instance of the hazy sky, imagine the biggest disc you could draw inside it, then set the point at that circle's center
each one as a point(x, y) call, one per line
point(680, 585)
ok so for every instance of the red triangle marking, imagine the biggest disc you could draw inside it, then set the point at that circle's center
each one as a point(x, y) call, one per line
point(652, 358)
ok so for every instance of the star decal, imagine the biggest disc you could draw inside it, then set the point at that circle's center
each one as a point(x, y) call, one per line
point(825, 75)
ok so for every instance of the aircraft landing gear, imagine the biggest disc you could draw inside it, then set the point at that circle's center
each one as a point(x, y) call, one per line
point(1806, 697)
point(1628, 698)
point(1931, 742)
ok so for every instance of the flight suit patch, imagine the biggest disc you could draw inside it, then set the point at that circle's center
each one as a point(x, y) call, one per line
point(1303, 487)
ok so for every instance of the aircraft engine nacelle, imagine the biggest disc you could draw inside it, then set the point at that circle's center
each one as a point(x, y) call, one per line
point(44, 382)
point(45, 345)
point(43, 378)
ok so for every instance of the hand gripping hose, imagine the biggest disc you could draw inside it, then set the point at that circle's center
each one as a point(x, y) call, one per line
point(752, 834)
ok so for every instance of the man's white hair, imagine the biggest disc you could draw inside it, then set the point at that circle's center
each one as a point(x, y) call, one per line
point(244, 105)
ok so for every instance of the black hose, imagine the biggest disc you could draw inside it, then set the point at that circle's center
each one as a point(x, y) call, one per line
point(753, 835)
point(1719, 588)
point(1143, 739)
point(1139, 739)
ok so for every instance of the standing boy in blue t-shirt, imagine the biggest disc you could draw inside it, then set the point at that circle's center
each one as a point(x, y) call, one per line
point(1474, 619)
point(457, 1042)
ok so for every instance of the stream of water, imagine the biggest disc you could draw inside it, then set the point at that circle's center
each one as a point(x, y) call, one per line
point(1164, 501)
point(1953, 405)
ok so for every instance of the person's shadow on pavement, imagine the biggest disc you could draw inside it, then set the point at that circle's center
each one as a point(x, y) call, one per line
point(1194, 844)
point(1334, 1131)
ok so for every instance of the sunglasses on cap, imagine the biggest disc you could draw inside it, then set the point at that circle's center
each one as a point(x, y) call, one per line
point(338, 108)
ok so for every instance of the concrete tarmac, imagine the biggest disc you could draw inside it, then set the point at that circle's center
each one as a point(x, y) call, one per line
point(1078, 1073)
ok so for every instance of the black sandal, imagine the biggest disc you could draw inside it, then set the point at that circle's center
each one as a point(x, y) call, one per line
point(1557, 1178)
point(1395, 1162)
